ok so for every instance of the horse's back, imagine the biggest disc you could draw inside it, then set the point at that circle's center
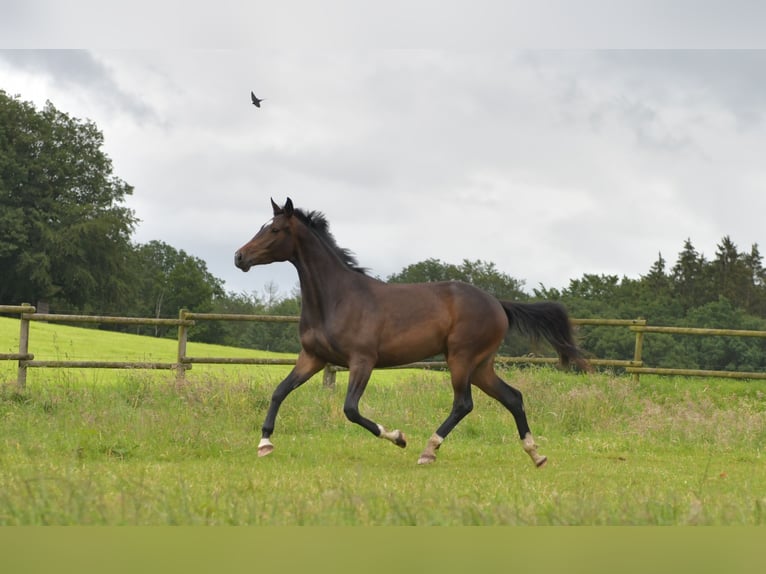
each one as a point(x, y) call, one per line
point(420, 320)
point(449, 300)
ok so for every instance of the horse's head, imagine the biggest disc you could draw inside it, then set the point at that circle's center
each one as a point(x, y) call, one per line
point(274, 242)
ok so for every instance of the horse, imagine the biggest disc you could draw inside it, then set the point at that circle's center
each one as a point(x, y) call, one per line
point(353, 320)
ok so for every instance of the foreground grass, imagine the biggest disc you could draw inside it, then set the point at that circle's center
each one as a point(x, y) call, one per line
point(138, 449)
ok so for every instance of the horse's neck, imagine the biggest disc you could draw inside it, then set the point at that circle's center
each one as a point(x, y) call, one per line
point(322, 277)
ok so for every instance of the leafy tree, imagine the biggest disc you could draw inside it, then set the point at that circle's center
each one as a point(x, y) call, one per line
point(754, 262)
point(731, 277)
point(689, 277)
point(725, 353)
point(169, 280)
point(484, 275)
point(235, 333)
point(430, 270)
point(64, 235)
point(755, 301)
point(277, 336)
point(657, 280)
point(655, 298)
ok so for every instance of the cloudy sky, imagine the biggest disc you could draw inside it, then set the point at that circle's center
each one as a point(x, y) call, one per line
point(550, 163)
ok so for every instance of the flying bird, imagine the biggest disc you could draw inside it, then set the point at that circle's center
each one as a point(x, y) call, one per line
point(256, 101)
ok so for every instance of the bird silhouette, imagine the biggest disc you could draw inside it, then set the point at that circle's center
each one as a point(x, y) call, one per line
point(256, 101)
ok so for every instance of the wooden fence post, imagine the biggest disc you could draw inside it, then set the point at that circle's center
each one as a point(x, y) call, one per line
point(328, 378)
point(21, 375)
point(638, 353)
point(181, 366)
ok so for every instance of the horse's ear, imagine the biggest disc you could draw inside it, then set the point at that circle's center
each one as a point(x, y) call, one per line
point(289, 207)
point(276, 208)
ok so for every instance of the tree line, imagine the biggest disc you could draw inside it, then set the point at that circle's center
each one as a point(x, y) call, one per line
point(725, 292)
point(65, 241)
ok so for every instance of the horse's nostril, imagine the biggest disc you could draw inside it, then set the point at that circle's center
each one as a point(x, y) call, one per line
point(237, 258)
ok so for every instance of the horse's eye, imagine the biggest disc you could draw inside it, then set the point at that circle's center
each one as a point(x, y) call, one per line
point(275, 230)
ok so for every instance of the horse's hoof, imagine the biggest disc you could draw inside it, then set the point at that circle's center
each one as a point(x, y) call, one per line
point(426, 458)
point(540, 462)
point(400, 440)
point(265, 447)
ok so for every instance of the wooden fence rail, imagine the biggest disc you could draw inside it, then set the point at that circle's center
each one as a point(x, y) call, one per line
point(640, 330)
point(187, 319)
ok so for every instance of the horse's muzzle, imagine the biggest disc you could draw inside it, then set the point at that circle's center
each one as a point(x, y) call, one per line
point(239, 261)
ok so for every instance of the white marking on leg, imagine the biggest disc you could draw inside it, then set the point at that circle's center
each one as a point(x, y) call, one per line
point(395, 436)
point(528, 443)
point(435, 441)
point(429, 454)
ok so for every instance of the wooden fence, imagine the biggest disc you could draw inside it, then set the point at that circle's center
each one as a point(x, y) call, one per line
point(187, 319)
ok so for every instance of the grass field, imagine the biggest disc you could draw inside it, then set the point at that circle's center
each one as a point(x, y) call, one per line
point(109, 447)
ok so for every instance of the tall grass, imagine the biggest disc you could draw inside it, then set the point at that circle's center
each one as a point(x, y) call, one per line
point(124, 447)
point(145, 452)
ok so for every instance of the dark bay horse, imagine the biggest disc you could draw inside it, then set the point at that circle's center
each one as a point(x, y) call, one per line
point(353, 320)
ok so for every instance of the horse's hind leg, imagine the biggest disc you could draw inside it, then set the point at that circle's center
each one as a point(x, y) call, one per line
point(488, 381)
point(462, 404)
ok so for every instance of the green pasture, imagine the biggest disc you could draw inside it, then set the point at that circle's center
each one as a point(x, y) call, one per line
point(116, 447)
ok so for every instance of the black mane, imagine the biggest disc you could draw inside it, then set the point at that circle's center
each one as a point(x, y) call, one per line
point(316, 221)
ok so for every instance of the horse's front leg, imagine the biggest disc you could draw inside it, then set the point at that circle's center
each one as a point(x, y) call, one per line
point(305, 367)
point(358, 377)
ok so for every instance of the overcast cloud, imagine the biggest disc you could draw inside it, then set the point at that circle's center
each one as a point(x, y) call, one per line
point(551, 164)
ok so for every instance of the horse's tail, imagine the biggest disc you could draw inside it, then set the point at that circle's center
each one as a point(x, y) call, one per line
point(549, 320)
